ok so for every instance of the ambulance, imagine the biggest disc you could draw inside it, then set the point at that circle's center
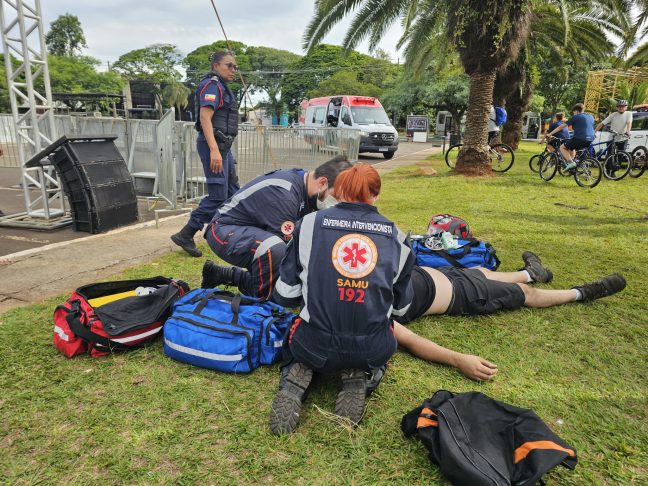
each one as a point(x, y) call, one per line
point(363, 113)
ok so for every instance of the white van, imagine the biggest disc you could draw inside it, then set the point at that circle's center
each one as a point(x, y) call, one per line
point(364, 113)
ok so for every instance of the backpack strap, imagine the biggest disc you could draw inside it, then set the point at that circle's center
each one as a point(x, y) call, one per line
point(73, 319)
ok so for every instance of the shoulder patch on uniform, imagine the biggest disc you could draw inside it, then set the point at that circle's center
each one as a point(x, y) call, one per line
point(354, 255)
point(287, 228)
point(210, 97)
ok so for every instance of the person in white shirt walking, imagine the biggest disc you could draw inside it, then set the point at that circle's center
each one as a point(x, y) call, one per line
point(620, 122)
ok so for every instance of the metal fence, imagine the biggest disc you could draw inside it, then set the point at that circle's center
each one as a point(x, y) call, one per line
point(155, 150)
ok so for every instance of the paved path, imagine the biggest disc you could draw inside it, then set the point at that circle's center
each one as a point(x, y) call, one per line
point(36, 274)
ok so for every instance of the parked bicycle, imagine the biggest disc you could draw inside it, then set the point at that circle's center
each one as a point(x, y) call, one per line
point(639, 161)
point(501, 156)
point(616, 163)
point(587, 173)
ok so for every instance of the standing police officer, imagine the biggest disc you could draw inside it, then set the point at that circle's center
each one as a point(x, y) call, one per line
point(217, 127)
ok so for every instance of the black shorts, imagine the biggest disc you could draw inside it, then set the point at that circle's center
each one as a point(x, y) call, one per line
point(577, 144)
point(474, 294)
point(424, 292)
point(492, 135)
point(556, 142)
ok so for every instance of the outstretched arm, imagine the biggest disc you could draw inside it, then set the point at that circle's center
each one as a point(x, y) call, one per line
point(473, 367)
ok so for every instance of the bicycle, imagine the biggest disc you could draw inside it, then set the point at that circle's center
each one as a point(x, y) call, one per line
point(501, 156)
point(639, 161)
point(587, 173)
point(536, 160)
point(617, 164)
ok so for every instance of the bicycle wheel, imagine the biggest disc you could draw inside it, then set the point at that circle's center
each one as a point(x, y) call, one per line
point(548, 167)
point(588, 172)
point(639, 160)
point(536, 161)
point(451, 155)
point(617, 166)
point(501, 157)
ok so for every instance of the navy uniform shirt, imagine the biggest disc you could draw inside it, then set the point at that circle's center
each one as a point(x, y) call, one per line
point(213, 93)
point(273, 202)
point(352, 268)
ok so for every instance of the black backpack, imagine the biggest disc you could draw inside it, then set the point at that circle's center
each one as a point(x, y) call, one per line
point(476, 440)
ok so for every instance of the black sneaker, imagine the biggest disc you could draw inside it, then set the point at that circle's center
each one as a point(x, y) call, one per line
point(184, 239)
point(287, 405)
point(608, 285)
point(537, 271)
point(350, 401)
point(214, 275)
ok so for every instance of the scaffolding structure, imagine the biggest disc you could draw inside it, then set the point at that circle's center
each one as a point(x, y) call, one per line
point(25, 57)
point(607, 84)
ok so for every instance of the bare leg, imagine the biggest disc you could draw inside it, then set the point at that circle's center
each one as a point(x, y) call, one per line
point(545, 297)
point(568, 154)
point(510, 277)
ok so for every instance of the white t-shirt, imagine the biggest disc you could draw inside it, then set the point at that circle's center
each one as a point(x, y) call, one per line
point(618, 121)
point(492, 127)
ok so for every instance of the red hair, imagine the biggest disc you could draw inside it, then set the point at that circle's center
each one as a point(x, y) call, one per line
point(359, 183)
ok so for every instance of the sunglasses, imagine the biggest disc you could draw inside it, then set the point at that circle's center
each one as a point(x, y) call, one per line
point(232, 67)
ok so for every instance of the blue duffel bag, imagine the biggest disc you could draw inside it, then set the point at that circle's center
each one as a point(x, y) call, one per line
point(216, 329)
point(471, 253)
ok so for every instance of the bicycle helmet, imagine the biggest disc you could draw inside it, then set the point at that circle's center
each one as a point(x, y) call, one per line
point(622, 103)
point(452, 224)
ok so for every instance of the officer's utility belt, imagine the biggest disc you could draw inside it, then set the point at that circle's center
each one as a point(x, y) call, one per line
point(223, 141)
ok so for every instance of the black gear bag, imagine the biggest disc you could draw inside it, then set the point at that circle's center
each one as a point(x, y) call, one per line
point(476, 440)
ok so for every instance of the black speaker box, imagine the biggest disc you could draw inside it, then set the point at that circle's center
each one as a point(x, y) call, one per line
point(95, 180)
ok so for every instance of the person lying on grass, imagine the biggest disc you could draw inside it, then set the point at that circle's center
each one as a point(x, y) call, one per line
point(478, 291)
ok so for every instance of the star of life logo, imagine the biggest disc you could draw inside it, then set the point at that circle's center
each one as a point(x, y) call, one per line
point(354, 255)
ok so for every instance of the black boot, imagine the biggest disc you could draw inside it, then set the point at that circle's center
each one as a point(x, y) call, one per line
point(287, 405)
point(214, 275)
point(184, 239)
point(350, 401)
point(602, 287)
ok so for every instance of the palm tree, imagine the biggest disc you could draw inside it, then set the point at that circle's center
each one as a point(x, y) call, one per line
point(487, 34)
point(638, 31)
point(561, 31)
point(175, 94)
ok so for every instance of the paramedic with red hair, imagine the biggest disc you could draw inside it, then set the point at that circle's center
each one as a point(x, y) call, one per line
point(349, 268)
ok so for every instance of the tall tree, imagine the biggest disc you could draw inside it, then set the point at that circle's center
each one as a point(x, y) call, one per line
point(636, 34)
point(451, 94)
point(487, 34)
point(345, 82)
point(267, 70)
point(158, 63)
point(65, 37)
point(322, 62)
point(79, 75)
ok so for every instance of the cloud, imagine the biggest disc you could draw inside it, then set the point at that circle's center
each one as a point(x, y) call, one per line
point(114, 27)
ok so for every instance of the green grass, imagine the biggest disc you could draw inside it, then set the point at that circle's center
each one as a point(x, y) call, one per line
point(140, 418)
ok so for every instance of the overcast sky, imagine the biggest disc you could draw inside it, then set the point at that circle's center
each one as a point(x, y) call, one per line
point(114, 27)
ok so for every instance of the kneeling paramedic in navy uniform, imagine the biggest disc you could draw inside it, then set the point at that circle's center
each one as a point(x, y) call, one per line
point(350, 268)
point(251, 230)
point(217, 127)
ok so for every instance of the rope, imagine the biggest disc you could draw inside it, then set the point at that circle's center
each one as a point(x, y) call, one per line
point(245, 88)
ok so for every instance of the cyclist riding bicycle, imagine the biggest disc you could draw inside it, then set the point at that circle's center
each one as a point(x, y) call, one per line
point(619, 122)
point(583, 126)
point(553, 143)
